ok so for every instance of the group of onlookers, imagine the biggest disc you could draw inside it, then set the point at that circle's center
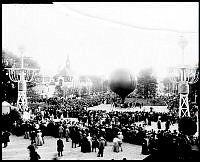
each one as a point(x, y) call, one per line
point(70, 107)
point(95, 128)
point(169, 144)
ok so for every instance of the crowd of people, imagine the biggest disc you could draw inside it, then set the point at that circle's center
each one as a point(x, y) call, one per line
point(95, 128)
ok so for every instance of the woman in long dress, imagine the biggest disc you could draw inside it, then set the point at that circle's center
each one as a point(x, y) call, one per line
point(159, 123)
point(90, 142)
point(39, 141)
point(116, 144)
point(67, 134)
point(84, 143)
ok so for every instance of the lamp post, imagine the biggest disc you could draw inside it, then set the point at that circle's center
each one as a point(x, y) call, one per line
point(182, 43)
point(21, 75)
point(183, 75)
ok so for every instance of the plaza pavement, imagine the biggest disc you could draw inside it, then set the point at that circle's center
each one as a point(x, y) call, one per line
point(17, 150)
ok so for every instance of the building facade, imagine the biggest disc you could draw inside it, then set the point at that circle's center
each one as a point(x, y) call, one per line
point(65, 78)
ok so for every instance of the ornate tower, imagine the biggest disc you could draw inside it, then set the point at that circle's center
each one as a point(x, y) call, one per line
point(68, 73)
point(184, 75)
point(22, 75)
point(67, 65)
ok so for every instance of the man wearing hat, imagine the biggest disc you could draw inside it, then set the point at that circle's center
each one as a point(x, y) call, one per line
point(101, 146)
point(159, 122)
point(60, 146)
point(33, 136)
point(6, 138)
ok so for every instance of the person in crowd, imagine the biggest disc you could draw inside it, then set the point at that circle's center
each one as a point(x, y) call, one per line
point(144, 146)
point(149, 119)
point(159, 123)
point(60, 147)
point(33, 136)
point(67, 134)
point(73, 135)
point(6, 138)
point(42, 136)
point(80, 137)
point(14, 127)
point(84, 143)
point(116, 144)
point(39, 141)
point(120, 137)
point(60, 131)
point(26, 130)
point(90, 142)
point(167, 124)
point(88, 145)
point(101, 147)
point(152, 145)
point(94, 142)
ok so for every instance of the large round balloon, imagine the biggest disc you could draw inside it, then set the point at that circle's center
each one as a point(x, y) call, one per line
point(122, 82)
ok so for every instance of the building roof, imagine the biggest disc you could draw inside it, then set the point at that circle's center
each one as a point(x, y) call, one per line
point(66, 70)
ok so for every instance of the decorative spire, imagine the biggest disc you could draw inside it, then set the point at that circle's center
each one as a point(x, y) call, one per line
point(68, 63)
point(67, 67)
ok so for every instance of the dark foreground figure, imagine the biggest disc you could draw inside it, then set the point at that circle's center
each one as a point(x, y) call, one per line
point(159, 156)
point(33, 153)
point(60, 146)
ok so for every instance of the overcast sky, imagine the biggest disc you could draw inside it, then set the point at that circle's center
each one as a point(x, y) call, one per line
point(100, 37)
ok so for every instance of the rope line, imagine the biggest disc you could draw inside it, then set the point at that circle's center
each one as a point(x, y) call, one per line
point(130, 25)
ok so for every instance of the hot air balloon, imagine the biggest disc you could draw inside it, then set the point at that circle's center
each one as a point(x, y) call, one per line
point(122, 82)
